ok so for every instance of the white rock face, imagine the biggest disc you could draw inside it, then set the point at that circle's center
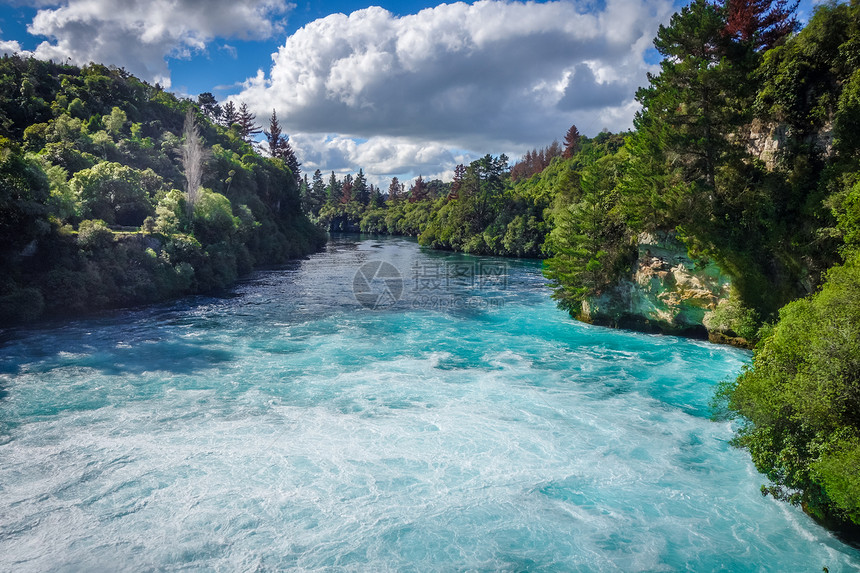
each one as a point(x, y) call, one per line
point(667, 291)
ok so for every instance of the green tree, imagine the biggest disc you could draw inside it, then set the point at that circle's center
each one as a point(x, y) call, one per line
point(280, 148)
point(317, 193)
point(333, 190)
point(375, 198)
point(24, 190)
point(248, 127)
point(171, 213)
point(590, 243)
point(77, 109)
point(115, 122)
point(360, 191)
point(229, 116)
point(116, 193)
point(213, 219)
point(800, 401)
point(94, 235)
point(209, 106)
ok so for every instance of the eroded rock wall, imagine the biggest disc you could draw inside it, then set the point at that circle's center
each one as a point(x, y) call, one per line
point(666, 291)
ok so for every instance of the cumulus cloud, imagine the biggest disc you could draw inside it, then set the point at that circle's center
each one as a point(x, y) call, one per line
point(140, 34)
point(496, 75)
point(381, 157)
point(10, 47)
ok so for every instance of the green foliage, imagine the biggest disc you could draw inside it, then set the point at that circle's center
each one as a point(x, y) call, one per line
point(846, 209)
point(798, 78)
point(115, 122)
point(93, 234)
point(734, 319)
point(76, 108)
point(62, 204)
point(487, 215)
point(171, 213)
point(105, 150)
point(213, 218)
point(24, 190)
point(800, 400)
point(590, 243)
point(116, 193)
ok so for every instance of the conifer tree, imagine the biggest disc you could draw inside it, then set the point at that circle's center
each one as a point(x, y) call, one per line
point(418, 191)
point(248, 127)
point(274, 136)
point(571, 141)
point(346, 189)
point(360, 192)
point(229, 115)
point(333, 190)
point(280, 148)
point(762, 23)
point(318, 194)
point(457, 183)
point(209, 106)
point(375, 197)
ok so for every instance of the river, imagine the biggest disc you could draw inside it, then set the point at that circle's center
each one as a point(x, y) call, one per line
point(379, 407)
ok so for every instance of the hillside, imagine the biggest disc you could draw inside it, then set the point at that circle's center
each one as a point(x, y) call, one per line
point(94, 211)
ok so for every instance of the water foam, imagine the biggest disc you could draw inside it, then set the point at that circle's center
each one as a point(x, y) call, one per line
point(286, 428)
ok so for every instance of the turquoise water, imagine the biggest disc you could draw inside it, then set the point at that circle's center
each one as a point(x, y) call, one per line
point(464, 424)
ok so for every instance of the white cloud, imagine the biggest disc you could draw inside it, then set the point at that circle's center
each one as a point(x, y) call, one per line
point(494, 76)
point(381, 157)
point(140, 34)
point(12, 47)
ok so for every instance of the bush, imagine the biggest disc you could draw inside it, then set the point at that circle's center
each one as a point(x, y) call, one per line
point(801, 401)
point(21, 305)
point(116, 193)
point(94, 234)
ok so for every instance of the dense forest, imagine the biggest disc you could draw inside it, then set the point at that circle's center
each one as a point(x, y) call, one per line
point(746, 149)
point(115, 192)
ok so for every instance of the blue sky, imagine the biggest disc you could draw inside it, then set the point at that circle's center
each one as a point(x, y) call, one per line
point(403, 88)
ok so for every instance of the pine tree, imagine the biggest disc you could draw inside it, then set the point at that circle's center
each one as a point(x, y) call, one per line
point(571, 141)
point(589, 240)
point(333, 190)
point(457, 183)
point(318, 194)
point(305, 195)
point(762, 23)
point(360, 192)
point(688, 105)
point(375, 197)
point(395, 190)
point(688, 170)
point(274, 136)
point(418, 191)
point(209, 106)
point(554, 150)
point(346, 189)
point(280, 148)
point(229, 115)
point(247, 123)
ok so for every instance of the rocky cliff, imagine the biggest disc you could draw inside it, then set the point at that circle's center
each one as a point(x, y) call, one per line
point(669, 292)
